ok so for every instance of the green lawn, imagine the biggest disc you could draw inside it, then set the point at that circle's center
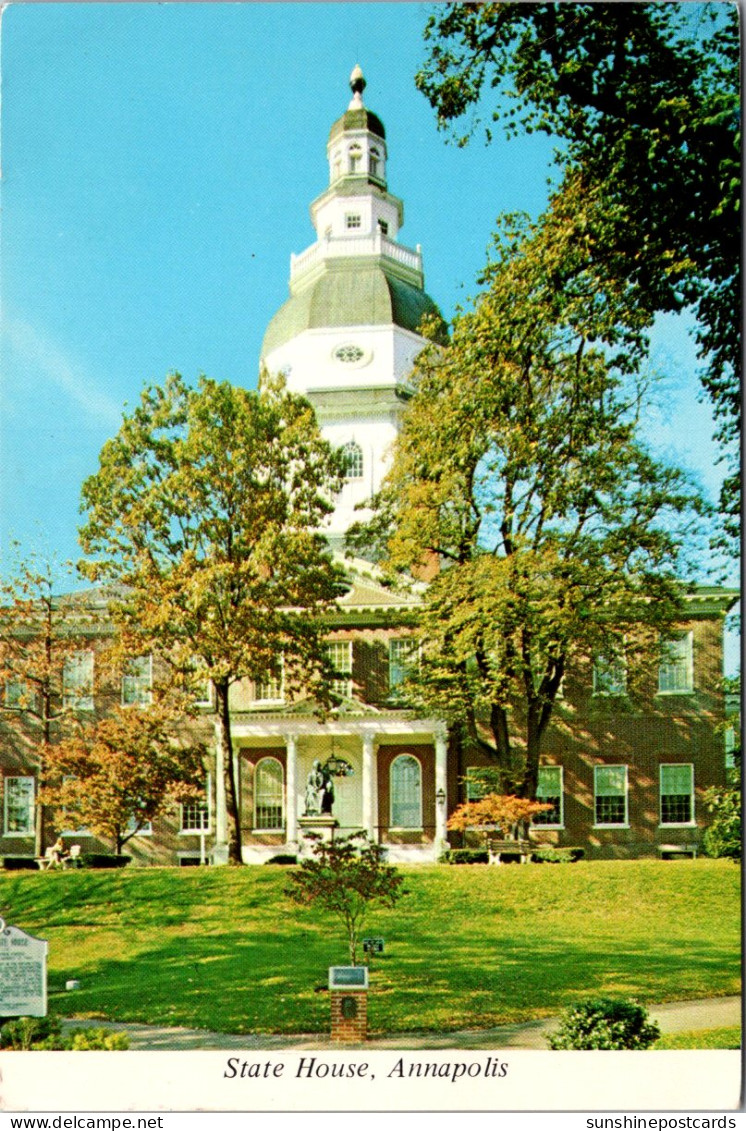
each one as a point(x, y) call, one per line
point(468, 946)
point(729, 1037)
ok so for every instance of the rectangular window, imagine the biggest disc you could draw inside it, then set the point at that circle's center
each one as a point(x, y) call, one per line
point(610, 675)
point(18, 696)
point(77, 681)
point(270, 689)
point(145, 829)
point(340, 658)
point(476, 786)
point(610, 790)
point(549, 791)
point(353, 220)
point(403, 657)
point(677, 794)
point(18, 806)
point(137, 682)
point(676, 671)
point(195, 813)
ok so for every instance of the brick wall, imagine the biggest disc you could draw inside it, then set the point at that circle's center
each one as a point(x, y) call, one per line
point(347, 1028)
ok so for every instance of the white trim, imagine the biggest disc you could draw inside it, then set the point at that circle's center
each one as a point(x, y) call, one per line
point(283, 800)
point(539, 825)
point(611, 824)
point(31, 805)
point(692, 822)
point(688, 689)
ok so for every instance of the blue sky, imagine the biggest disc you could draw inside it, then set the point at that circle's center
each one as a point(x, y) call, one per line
point(158, 164)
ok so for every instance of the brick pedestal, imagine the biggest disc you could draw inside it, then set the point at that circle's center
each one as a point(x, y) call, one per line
point(349, 1015)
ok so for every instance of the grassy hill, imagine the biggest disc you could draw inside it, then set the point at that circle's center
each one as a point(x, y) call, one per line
point(467, 947)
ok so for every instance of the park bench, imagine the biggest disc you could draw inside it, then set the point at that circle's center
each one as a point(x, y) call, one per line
point(48, 860)
point(498, 849)
point(677, 851)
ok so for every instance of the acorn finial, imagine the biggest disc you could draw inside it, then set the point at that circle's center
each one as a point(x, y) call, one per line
point(357, 81)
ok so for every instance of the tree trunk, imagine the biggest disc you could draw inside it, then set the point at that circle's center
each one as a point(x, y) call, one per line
point(231, 786)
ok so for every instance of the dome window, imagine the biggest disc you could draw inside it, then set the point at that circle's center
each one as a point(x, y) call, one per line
point(353, 460)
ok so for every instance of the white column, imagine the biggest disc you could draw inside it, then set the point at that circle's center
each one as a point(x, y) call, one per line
point(291, 802)
point(441, 785)
point(369, 785)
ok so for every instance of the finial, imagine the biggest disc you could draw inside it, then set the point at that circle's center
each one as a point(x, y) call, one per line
point(357, 86)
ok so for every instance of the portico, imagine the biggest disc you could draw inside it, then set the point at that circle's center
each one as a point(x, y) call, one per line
point(395, 791)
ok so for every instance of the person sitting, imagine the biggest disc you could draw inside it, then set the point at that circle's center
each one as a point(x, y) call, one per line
point(57, 854)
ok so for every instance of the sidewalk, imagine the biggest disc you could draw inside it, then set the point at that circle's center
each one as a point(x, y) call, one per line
point(673, 1017)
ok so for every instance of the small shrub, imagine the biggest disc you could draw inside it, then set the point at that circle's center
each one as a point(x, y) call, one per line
point(87, 1040)
point(20, 863)
point(24, 1033)
point(43, 1034)
point(282, 858)
point(605, 1023)
point(103, 860)
point(466, 856)
point(551, 855)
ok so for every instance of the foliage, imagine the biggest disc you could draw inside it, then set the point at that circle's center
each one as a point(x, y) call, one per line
point(605, 1023)
point(507, 813)
point(466, 856)
point(225, 949)
point(724, 836)
point(519, 471)
point(207, 506)
point(347, 876)
point(45, 1034)
point(115, 774)
point(546, 854)
point(23, 1033)
point(645, 99)
point(39, 633)
point(90, 1040)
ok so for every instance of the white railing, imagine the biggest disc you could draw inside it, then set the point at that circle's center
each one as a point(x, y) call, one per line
point(349, 246)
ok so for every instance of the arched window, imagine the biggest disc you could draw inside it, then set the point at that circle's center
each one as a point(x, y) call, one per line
point(353, 457)
point(355, 157)
point(406, 792)
point(269, 794)
point(374, 163)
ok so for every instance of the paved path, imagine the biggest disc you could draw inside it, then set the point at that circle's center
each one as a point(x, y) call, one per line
point(673, 1017)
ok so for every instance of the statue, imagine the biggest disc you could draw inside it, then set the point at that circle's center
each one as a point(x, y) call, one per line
point(319, 791)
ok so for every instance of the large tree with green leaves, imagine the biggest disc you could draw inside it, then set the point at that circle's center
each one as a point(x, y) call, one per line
point(207, 507)
point(645, 101)
point(519, 470)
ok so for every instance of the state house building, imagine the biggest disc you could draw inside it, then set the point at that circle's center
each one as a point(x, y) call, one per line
point(623, 780)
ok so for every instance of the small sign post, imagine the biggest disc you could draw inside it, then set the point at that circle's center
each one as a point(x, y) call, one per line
point(349, 993)
point(23, 973)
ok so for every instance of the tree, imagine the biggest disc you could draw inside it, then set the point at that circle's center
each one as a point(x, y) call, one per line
point(507, 813)
point(518, 469)
point(206, 507)
point(645, 99)
point(115, 775)
point(41, 636)
point(346, 877)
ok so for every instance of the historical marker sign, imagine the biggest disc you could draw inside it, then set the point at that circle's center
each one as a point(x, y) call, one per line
point(23, 973)
point(348, 977)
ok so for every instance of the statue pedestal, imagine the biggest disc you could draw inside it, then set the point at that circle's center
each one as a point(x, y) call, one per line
point(322, 824)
